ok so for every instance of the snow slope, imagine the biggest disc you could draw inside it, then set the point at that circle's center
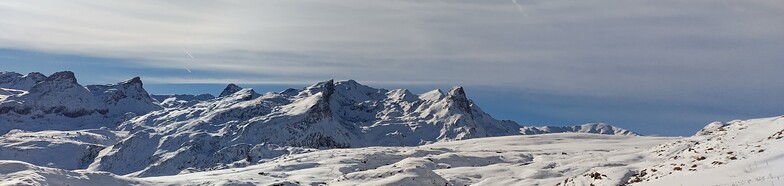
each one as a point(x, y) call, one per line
point(16, 173)
point(232, 129)
point(73, 149)
point(740, 152)
point(512, 160)
point(594, 128)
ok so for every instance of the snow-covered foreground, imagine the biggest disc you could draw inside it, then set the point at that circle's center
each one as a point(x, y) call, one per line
point(514, 160)
point(734, 153)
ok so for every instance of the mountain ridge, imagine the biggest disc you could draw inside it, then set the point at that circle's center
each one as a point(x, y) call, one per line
point(594, 128)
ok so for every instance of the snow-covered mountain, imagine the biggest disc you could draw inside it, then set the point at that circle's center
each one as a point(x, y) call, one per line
point(240, 126)
point(13, 80)
point(60, 102)
point(593, 128)
point(59, 149)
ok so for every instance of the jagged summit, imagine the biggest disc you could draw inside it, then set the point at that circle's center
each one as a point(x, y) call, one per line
point(457, 92)
point(229, 90)
point(457, 96)
point(64, 76)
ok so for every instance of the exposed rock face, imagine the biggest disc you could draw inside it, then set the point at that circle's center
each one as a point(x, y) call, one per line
point(229, 90)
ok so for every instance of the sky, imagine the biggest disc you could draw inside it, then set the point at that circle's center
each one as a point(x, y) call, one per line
point(656, 67)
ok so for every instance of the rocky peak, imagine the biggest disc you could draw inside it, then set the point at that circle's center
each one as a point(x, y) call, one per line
point(457, 97)
point(230, 89)
point(136, 82)
point(64, 76)
point(327, 87)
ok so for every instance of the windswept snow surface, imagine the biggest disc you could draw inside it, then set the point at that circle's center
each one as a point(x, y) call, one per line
point(16, 173)
point(548, 159)
point(60, 149)
point(513, 160)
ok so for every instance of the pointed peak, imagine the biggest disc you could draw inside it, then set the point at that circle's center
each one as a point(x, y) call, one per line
point(457, 97)
point(457, 91)
point(232, 86)
point(230, 89)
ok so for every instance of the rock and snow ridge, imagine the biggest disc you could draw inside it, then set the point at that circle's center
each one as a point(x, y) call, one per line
point(13, 80)
point(240, 126)
point(180, 100)
point(593, 128)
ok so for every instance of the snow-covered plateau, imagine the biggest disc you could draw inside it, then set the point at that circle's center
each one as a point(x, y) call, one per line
point(58, 132)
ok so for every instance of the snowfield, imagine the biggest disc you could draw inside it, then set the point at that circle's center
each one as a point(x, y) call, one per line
point(549, 159)
point(55, 131)
point(756, 158)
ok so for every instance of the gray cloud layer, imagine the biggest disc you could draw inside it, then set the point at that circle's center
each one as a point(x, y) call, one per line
point(688, 50)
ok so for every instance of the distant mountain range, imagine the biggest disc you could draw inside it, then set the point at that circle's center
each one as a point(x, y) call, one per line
point(168, 134)
point(594, 128)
